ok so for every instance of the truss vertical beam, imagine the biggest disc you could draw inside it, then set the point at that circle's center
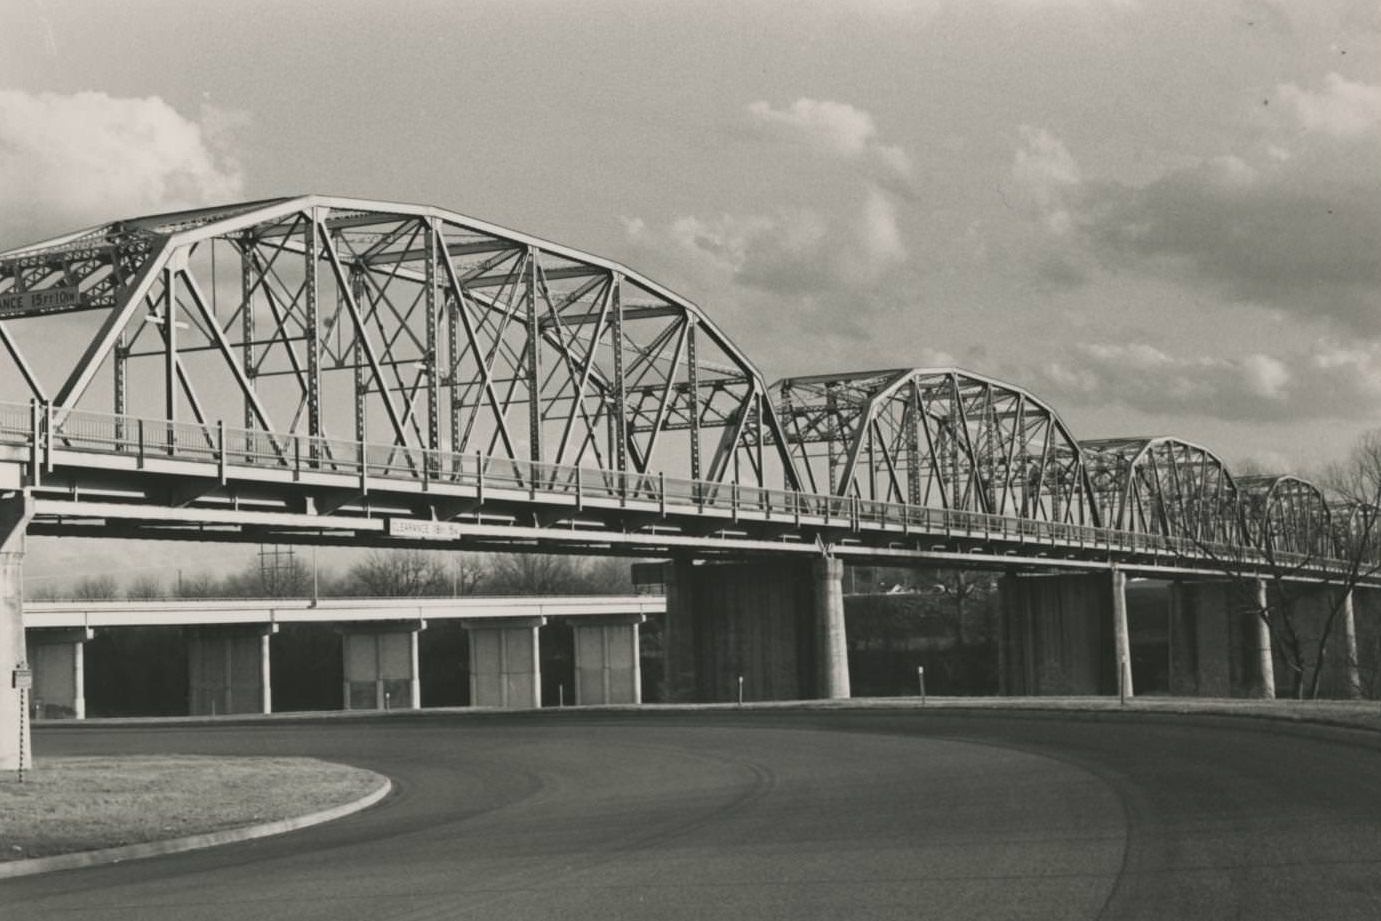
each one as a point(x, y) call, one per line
point(693, 409)
point(429, 360)
point(121, 396)
point(913, 444)
point(534, 357)
point(169, 324)
point(312, 232)
point(357, 359)
point(619, 450)
point(247, 322)
point(453, 364)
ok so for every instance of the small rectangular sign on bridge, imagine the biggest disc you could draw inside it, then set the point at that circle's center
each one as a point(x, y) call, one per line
point(44, 300)
point(412, 529)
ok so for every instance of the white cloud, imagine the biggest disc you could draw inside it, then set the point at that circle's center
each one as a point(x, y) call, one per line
point(67, 161)
point(1292, 226)
point(836, 128)
point(835, 125)
point(1328, 381)
point(1342, 108)
point(790, 252)
point(1044, 172)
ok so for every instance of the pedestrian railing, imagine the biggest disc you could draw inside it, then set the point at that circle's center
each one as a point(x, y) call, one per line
point(44, 430)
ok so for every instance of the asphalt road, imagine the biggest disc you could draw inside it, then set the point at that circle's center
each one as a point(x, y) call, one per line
point(772, 814)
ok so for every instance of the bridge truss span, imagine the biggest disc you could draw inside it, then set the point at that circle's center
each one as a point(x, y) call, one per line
point(336, 370)
point(1287, 514)
point(940, 438)
point(402, 325)
point(1164, 486)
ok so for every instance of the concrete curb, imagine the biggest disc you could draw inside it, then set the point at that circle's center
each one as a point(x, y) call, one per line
point(108, 855)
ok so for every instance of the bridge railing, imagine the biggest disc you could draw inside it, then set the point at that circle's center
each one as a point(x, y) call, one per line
point(41, 429)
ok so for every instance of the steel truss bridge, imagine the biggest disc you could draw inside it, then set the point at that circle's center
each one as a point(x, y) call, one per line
point(330, 370)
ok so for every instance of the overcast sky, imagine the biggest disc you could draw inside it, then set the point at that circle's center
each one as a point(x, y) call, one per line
point(1163, 217)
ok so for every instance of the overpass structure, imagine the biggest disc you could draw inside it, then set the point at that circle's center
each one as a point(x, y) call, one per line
point(230, 665)
point(331, 370)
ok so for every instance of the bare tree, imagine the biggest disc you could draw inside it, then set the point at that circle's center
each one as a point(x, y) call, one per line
point(199, 585)
point(1297, 580)
point(144, 588)
point(553, 574)
point(280, 575)
point(389, 573)
point(101, 587)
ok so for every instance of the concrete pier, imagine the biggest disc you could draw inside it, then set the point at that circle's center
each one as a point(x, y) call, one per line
point(1351, 660)
point(608, 669)
point(1059, 635)
point(778, 625)
point(1204, 639)
point(57, 658)
point(505, 665)
point(16, 746)
point(1259, 637)
point(831, 643)
point(228, 670)
point(1122, 637)
point(381, 667)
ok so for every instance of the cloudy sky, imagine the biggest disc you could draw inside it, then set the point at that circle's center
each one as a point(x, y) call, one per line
point(1163, 217)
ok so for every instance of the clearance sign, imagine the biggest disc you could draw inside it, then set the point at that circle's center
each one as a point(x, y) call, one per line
point(44, 300)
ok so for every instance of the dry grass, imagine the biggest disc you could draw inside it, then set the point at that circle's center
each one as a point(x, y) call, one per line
point(77, 804)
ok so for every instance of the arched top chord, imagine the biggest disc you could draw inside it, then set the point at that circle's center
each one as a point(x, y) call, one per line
point(1284, 513)
point(1163, 485)
point(939, 437)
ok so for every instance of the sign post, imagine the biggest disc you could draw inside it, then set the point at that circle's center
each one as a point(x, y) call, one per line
point(22, 680)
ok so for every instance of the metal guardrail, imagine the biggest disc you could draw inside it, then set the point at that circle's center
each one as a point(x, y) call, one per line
point(40, 429)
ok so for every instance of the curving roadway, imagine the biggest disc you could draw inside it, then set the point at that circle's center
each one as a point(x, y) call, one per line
point(776, 814)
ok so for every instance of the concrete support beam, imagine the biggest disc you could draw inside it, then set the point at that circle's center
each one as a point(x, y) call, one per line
point(228, 670)
point(1122, 636)
point(1259, 634)
point(831, 645)
point(381, 666)
point(16, 748)
point(608, 669)
point(57, 657)
point(505, 665)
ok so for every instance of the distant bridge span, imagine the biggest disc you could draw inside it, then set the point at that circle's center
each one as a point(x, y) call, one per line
point(332, 370)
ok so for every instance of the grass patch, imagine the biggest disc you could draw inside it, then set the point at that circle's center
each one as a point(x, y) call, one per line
point(79, 804)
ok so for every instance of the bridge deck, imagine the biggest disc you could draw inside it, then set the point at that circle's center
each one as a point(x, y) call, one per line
point(98, 474)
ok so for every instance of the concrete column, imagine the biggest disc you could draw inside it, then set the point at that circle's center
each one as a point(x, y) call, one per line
point(1353, 669)
point(79, 680)
point(505, 666)
point(1122, 637)
point(415, 684)
point(16, 748)
point(381, 666)
point(1260, 639)
point(608, 669)
point(831, 649)
point(265, 674)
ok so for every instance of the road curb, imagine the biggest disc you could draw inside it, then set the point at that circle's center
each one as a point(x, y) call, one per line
point(109, 855)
